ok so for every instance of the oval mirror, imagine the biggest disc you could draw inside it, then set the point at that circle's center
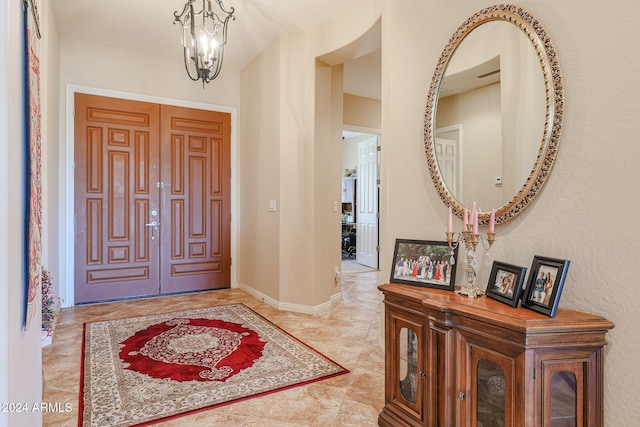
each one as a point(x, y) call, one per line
point(494, 113)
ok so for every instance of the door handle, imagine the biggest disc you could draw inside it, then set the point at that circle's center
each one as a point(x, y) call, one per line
point(154, 226)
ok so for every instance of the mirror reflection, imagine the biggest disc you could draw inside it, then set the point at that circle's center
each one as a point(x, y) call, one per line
point(490, 115)
point(494, 114)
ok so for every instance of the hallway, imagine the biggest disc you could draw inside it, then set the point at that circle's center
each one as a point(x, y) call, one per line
point(350, 334)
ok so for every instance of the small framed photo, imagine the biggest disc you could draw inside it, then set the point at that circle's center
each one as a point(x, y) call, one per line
point(544, 286)
point(505, 283)
point(424, 263)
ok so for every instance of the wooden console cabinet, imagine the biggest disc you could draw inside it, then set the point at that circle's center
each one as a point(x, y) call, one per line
point(456, 361)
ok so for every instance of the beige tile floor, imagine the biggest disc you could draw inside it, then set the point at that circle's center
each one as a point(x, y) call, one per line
point(350, 334)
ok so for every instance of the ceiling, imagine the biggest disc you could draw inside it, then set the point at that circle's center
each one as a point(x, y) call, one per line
point(147, 26)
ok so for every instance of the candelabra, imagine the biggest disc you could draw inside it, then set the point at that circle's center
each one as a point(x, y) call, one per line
point(470, 237)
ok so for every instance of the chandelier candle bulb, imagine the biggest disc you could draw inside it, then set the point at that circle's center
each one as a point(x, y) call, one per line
point(450, 222)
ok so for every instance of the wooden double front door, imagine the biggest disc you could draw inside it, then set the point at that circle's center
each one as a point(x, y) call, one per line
point(152, 199)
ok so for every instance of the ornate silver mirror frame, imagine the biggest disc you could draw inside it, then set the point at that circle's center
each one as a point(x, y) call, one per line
point(553, 117)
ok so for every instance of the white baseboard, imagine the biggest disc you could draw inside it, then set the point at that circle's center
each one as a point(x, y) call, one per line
point(336, 298)
point(46, 339)
point(296, 308)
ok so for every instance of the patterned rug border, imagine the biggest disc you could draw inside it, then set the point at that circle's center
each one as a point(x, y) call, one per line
point(81, 405)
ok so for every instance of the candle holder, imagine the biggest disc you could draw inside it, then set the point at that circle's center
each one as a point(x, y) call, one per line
point(470, 241)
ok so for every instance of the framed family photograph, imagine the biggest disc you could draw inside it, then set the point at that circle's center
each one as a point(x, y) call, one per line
point(424, 263)
point(544, 286)
point(505, 283)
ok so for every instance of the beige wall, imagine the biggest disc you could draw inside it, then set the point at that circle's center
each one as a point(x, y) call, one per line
point(587, 210)
point(104, 67)
point(361, 112)
point(52, 150)
point(259, 153)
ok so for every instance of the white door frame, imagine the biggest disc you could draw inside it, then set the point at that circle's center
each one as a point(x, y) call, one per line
point(67, 222)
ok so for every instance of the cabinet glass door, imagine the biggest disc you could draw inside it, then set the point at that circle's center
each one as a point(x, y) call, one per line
point(408, 358)
point(563, 400)
point(491, 389)
point(490, 400)
point(565, 404)
point(405, 391)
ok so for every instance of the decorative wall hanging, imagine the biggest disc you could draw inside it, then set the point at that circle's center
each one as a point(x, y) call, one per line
point(32, 167)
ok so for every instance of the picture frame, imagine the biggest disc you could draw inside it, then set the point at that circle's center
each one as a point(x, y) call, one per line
point(424, 263)
point(505, 283)
point(544, 285)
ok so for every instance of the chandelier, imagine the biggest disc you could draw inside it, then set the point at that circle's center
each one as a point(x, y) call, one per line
point(204, 34)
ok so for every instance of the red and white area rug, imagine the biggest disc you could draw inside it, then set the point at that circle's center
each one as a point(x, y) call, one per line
point(141, 370)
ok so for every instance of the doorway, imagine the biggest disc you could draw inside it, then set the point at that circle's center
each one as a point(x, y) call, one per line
point(152, 199)
point(360, 225)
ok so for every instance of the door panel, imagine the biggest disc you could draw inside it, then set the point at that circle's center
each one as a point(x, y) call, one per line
point(196, 185)
point(367, 218)
point(115, 169)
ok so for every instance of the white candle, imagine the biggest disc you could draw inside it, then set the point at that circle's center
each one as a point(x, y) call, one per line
point(465, 217)
point(450, 223)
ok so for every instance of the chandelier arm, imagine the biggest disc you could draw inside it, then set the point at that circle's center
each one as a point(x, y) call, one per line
point(186, 65)
point(218, 63)
point(224, 27)
point(228, 12)
point(178, 17)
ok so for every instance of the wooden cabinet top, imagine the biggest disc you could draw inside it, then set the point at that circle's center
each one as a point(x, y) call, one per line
point(451, 308)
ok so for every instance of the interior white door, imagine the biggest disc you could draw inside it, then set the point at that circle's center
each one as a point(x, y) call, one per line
point(448, 162)
point(367, 203)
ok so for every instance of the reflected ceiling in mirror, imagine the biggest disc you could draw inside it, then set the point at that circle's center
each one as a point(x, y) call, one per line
point(494, 113)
